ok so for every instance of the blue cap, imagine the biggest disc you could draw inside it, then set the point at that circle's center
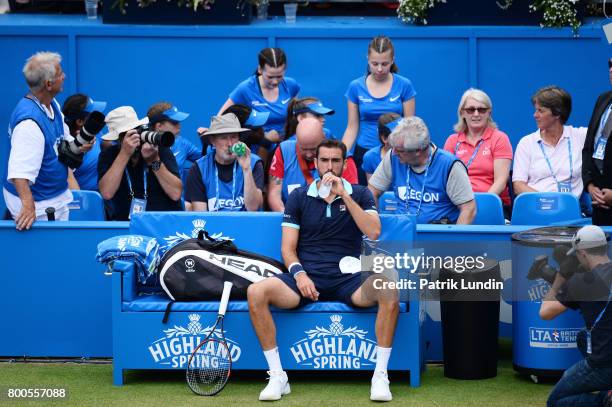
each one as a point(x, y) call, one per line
point(257, 119)
point(93, 106)
point(392, 125)
point(316, 108)
point(174, 114)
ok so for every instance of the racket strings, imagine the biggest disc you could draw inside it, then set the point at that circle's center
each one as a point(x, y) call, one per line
point(209, 368)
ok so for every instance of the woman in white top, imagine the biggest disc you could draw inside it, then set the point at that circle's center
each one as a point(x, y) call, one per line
point(550, 160)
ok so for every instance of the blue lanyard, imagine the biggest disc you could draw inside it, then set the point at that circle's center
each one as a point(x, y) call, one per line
point(569, 151)
point(233, 186)
point(473, 154)
point(408, 188)
point(602, 123)
point(130, 183)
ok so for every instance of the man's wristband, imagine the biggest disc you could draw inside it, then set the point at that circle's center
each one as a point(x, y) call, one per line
point(295, 269)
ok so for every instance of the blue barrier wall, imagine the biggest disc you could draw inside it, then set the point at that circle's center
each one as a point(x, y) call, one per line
point(197, 66)
point(56, 300)
point(53, 287)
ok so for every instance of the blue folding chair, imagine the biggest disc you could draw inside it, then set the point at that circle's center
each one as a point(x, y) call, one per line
point(86, 205)
point(545, 208)
point(387, 203)
point(489, 210)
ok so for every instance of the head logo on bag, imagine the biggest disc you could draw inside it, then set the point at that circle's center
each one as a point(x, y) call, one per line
point(195, 269)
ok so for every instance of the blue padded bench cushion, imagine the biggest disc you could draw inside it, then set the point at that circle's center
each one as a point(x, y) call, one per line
point(158, 303)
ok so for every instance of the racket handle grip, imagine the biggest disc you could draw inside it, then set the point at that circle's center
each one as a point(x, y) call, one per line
point(227, 289)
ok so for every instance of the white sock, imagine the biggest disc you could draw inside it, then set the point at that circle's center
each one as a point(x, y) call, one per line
point(382, 358)
point(273, 359)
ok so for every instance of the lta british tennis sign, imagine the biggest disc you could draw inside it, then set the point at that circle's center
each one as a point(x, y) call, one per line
point(335, 347)
point(178, 343)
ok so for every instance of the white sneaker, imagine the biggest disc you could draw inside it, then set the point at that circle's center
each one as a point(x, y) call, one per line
point(277, 387)
point(380, 387)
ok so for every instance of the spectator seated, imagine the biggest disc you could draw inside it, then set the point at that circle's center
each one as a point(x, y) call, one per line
point(319, 336)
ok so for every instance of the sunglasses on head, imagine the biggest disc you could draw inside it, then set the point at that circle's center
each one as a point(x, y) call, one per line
point(472, 110)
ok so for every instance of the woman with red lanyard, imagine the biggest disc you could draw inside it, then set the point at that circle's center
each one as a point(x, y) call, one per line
point(485, 151)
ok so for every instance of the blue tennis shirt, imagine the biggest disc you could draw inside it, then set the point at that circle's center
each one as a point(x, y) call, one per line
point(327, 231)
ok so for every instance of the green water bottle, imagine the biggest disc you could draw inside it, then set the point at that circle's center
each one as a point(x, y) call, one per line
point(239, 149)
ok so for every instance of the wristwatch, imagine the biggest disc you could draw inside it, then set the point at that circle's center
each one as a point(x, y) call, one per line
point(155, 165)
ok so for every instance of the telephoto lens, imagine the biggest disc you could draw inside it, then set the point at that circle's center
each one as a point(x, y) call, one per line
point(92, 126)
point(156, 138)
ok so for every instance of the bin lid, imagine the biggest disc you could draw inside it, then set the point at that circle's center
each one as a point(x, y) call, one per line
point(547, 236)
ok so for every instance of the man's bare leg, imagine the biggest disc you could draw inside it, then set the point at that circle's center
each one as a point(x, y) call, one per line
point(386, 320)
point(271, 291)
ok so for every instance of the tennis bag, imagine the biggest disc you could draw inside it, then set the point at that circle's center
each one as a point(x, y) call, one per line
point(195, 269)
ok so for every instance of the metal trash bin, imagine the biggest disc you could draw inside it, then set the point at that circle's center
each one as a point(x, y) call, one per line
point(540, 348)
point(470, 322)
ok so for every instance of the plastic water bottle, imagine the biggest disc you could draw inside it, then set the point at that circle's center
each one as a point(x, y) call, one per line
point(238, 149)
point(324, 190)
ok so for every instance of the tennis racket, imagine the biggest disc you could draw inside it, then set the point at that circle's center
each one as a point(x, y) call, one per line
point(210, 363)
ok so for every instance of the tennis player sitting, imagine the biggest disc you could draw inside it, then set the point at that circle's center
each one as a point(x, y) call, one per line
point(317, 233)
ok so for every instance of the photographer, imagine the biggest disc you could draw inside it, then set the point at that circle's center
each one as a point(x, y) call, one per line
point(588, 381)
point(136, 175)
point(77, 109)
point(36, 179)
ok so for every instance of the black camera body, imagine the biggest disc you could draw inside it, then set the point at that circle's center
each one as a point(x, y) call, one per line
point(69, 152)
point(568, 266)
point(156, 138)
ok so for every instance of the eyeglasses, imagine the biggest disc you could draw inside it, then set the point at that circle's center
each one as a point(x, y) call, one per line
point(472, 110)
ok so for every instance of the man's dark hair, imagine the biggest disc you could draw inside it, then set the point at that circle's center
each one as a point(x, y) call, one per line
point(328, 143)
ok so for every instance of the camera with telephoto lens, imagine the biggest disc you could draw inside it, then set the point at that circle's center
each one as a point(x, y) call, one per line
point(156, 138)
point(69, 151)
point(568, 266)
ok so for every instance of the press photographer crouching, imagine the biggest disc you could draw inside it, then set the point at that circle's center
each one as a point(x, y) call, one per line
point(139, 172)
point(583, 283)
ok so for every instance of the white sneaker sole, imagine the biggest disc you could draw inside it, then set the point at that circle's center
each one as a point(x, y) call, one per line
point(285, 391)
point(381, 397)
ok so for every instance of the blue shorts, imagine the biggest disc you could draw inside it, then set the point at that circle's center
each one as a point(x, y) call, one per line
point(337, 287)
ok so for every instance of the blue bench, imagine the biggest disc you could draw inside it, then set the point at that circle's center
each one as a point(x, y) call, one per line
point(321, 336)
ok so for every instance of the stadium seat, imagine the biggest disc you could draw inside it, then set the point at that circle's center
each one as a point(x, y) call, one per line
point(489, 209)
point(544, 208)
point(86, 205)
point(387, 203)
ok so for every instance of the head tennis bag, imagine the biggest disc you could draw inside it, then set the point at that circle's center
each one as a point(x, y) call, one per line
point(194, 270)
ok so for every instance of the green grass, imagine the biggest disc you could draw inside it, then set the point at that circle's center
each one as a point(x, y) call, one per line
point(91, 385)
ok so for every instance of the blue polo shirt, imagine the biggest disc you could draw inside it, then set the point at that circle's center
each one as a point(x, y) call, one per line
point(249, 93)
point(371, 108)
point(371, 160)
point(327, 231)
